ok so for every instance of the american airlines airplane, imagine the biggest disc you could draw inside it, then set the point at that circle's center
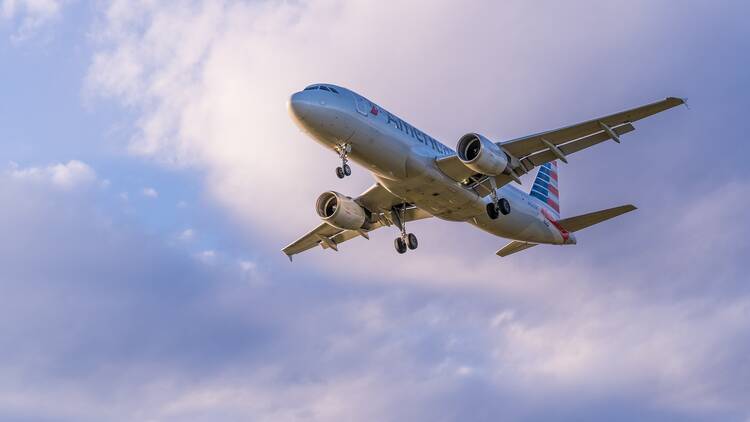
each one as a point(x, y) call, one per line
point(417, 177)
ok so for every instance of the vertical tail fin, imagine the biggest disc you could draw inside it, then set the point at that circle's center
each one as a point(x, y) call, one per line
point(545, 188)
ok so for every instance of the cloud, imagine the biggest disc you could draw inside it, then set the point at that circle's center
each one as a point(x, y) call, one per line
point(233, 121)
point(116, 324)
point(186, 235)
point(30, 14)
point(72, 175)
point(210, 80)
point(107, 335)
point(150, 193)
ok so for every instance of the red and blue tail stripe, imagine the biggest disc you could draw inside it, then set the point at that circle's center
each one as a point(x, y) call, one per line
point(545, 187)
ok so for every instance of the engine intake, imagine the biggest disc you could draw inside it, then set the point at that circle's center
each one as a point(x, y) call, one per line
point(340, 211)
point(482, 155)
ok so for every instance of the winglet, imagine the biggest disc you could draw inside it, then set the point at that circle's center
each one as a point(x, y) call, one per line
point(679, 101)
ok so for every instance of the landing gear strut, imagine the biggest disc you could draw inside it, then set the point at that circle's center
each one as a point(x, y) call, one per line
point(498, 205)
point(406, 240)
point(344, 170)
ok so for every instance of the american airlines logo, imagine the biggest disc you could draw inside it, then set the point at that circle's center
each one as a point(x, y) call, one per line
point(417, 134)
point(374, 110)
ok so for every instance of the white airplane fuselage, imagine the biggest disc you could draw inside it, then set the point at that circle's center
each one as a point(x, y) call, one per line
point(402, 159)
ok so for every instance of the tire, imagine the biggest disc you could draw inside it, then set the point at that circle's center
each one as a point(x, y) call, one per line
point(347, 170)
point(340, 172)
point(504, 206)
point(400, 245)
point(411, 241)
point(492, 211)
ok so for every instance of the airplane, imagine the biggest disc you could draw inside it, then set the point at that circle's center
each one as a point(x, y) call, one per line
point(417, 177)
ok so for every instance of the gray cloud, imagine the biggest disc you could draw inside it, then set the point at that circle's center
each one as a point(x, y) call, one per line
point(102, 322)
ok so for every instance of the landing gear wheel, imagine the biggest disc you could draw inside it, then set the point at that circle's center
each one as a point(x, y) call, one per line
point(343, 150)
point(411, 241)
point(400, 245)
point(504, 206)
point(492, 211)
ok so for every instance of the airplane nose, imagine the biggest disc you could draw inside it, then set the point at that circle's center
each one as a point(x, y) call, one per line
point(299, 107)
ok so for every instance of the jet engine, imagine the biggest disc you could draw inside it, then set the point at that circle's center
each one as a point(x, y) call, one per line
point(340, 211)
point(482, 155)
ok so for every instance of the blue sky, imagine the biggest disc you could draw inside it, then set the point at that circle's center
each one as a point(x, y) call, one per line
point(150, 176)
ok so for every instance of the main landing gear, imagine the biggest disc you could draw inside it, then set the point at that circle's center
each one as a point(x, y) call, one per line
point(344, 170)
point(498, 205)
point(406, 240)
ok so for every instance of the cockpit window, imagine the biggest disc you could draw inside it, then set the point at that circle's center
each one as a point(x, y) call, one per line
point(324, 88)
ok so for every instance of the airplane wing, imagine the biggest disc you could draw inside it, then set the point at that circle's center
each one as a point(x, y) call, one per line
point(535, 150)
point(580, 222)
point(378, 201)
point(513, 247)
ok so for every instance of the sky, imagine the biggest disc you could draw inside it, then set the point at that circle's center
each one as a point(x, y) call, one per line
point(150, 175)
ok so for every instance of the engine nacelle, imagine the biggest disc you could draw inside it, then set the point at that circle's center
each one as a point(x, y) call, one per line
point(340, 211)
point(482, 155)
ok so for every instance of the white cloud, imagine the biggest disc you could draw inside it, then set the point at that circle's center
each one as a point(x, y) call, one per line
point(208, 256)
point(212, 79)
point(65, 176)
point(150, 192)
point(248, 266)
point(31, 14)
point(186, 235)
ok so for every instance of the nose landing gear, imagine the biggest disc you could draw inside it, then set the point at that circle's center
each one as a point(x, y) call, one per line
point(344, 170)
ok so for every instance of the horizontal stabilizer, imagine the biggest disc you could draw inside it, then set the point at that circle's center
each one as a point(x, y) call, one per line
point(580, 222)
point(513, 247)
